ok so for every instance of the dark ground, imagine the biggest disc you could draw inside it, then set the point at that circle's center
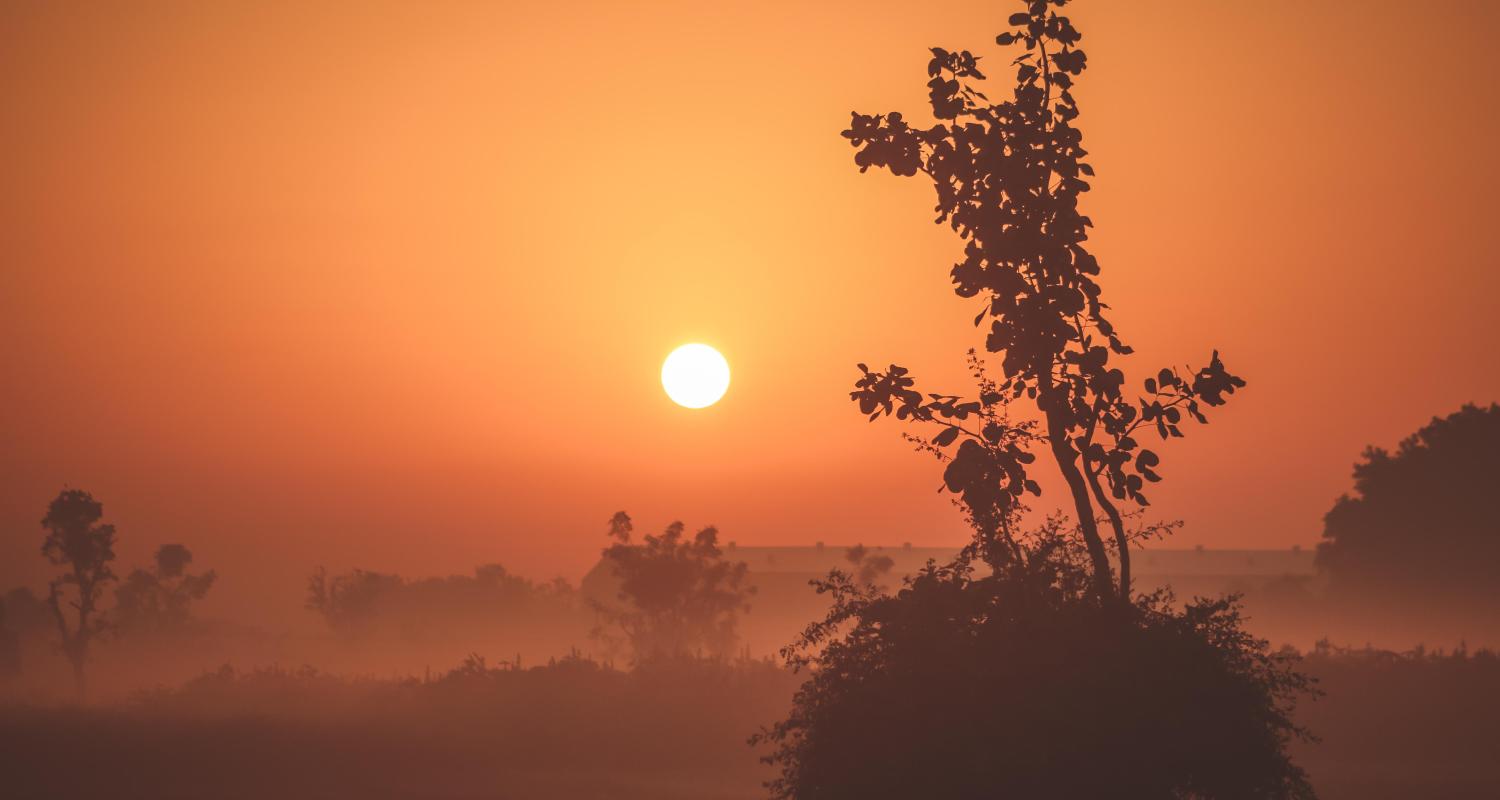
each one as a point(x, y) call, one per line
point(1391, 726)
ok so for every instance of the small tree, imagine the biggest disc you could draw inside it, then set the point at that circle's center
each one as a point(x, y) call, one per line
point(1008, 176)
point(78, 542)
point(676, 595)
point(160, 600)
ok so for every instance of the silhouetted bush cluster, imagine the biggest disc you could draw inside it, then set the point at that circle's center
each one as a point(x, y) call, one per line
point(1019, 684)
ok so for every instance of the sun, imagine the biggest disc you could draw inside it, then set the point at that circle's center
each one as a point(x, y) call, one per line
point(695, 376)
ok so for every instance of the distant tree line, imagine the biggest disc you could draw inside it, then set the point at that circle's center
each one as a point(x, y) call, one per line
point(1414, 533)
point(361, 603)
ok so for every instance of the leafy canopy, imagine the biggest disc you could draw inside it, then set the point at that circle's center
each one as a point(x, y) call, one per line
point(1008, 174)
point(1419, 518)
point(677, 595)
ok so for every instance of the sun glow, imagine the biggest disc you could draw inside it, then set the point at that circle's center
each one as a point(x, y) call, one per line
point(695, 376)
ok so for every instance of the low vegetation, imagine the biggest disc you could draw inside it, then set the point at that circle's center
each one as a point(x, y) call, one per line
point(1392, 725)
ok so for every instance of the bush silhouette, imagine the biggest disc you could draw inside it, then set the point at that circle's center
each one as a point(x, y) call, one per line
point(1020, 684)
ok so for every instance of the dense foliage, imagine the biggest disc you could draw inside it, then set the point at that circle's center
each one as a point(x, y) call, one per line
point(676, 596)
point(1024, 669)
point(1019, 684)
point(1008, 176)
point(1419, 521)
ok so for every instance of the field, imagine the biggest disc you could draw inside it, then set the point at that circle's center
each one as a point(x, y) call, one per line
point(1391, 726)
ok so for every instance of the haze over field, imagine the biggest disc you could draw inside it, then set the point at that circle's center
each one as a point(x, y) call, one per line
point(390, 286)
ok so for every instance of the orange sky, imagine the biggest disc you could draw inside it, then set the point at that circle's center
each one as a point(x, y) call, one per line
point(389, 286)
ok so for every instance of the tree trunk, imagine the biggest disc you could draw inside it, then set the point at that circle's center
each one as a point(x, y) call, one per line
point(1118, 524)
point(1067, 462)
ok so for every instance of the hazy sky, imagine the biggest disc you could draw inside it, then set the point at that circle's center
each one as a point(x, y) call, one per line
point(389, 285)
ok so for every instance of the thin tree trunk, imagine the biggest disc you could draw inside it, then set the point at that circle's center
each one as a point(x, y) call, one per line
point(1118, 524)
point(1057, 431)
point(1067, 462)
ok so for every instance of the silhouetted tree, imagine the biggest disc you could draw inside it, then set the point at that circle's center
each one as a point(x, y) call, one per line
point(1420, 518)
point(1041, 676)
point(1008, 176)
point(677, 595)
point(160, 600)
point(77, 541)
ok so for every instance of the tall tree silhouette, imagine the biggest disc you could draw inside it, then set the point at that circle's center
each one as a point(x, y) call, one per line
point(160, 599)
point(1008, 176)
point(677, 595)
point(1041, 676)
point(1420, 518)
point(77, 541)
